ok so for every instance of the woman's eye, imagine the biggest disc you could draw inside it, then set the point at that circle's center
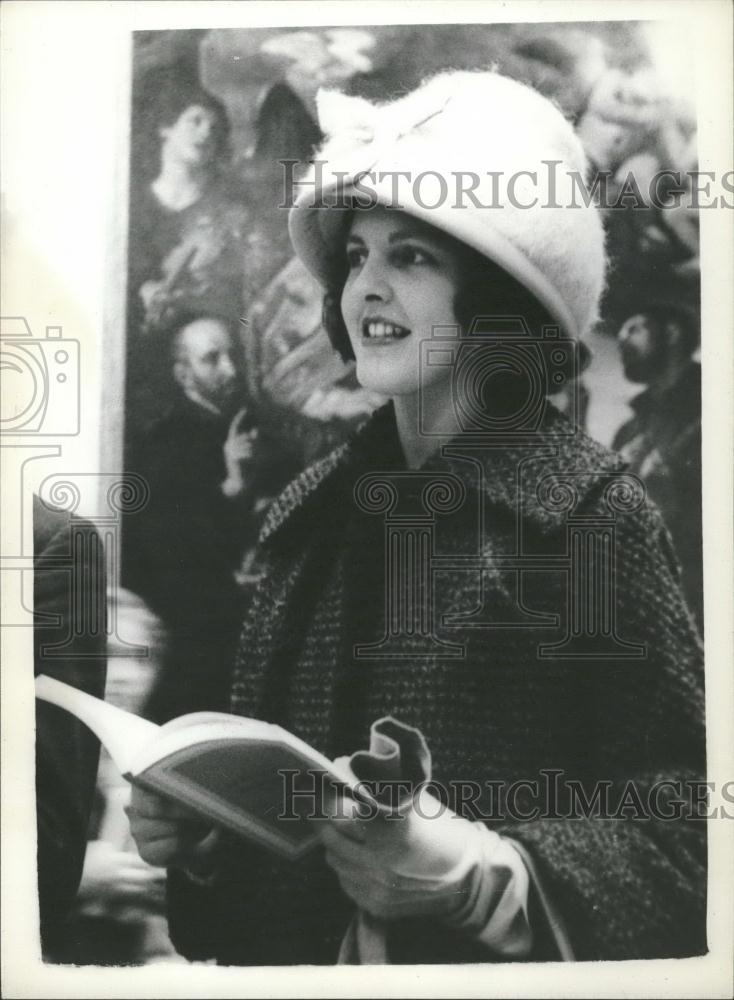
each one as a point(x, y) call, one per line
point(355, 257)
point(407, 255)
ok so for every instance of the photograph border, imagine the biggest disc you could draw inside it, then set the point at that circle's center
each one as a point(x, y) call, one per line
point(93, 43)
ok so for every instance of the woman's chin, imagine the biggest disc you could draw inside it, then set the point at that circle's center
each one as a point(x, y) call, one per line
point(390, 384)
point(401, 380)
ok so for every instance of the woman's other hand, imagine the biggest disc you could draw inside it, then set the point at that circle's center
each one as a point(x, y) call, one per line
point(169, 834)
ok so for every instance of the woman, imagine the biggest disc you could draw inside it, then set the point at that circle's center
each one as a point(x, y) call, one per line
point(479, 643)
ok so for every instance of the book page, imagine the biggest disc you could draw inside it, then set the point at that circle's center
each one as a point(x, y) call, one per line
point(261, 790)
point(123, 734)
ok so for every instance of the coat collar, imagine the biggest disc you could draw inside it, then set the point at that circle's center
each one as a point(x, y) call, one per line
point(537, 474)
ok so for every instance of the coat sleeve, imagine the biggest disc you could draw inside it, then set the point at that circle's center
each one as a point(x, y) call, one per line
point(628, 876)
point(69, 645)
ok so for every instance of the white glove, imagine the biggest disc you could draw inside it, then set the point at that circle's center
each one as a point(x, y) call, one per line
point(430, 862)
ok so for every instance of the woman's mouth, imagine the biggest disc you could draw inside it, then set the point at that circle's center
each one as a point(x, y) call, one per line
point(382, 331)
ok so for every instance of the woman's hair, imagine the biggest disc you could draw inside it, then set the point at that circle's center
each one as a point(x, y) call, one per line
point(486, 291)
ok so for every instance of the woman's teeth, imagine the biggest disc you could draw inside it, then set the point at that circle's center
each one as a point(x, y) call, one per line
point(380, 330)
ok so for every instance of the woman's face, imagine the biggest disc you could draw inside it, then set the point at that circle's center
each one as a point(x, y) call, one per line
point(193, 136)
point(402, 281)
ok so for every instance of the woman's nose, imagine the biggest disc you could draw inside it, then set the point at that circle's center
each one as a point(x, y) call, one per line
point(373, 282)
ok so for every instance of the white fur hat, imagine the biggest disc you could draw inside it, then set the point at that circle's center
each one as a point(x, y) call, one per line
point(522, 208)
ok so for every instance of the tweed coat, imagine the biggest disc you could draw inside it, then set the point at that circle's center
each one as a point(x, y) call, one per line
point(517, 703)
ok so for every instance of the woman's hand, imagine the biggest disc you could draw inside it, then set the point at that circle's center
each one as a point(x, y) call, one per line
point(434, 863)
point(420, 862)
point(169, 834)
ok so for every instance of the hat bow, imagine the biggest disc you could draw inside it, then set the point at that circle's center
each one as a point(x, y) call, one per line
point(357, 128)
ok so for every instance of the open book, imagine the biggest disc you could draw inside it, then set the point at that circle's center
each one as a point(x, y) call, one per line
point(252, 777)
